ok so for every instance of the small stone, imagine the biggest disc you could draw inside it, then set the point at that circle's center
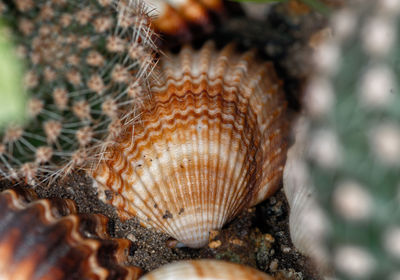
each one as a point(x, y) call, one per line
point(251, 210)
point(236, 241)
point(274, 265)
point(285, 249)
point(269, 238)
point(215, 244)
point(131, 237)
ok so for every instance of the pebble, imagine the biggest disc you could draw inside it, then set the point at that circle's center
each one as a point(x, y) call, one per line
point(131, 237)
point(268, 237)
point(214, 244)
point(285, 249)
point(236, 241)
point(274, 265)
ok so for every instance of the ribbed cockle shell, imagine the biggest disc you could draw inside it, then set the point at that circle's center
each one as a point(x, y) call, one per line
point(46, 239)
point(211, 143)
point(205, 270)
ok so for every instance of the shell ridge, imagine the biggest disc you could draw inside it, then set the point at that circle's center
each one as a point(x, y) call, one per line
point(217, 199)
point(243, 180)
point(165, 105)
point(10, 199)
point(225, 188)
point(200, 164)
point(233, 188)
point(205, 58)
point(280, 157)
point(226, 84)
point(194, 186)
point(185, 60)
point(248, 127)
point(157, 185)
point(167, 68)
point(142, 209)
point(54, 254)
point(237, 87)
point(179, 118)
point(183, 222)
point(19, 215)
point(278, 160)
point(234, 176)
point(221, 63)
point(180, 181)
point(172, 192)
point(117, 175)
point(201, 213)
point(116, 178)
point(126, 194)
point(160, 130)
point(206, 167)
point(203, 135)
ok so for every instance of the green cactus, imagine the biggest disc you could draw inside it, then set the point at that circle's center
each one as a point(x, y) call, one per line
point(354, 152)
point(86, 66)
point(10, 80)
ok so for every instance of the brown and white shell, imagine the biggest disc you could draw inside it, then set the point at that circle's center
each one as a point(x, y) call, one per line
point(46, 239)
point(183, 20)
point(205, 270)
point(211, 143)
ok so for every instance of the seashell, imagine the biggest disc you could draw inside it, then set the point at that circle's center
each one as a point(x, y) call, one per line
point(205, 269)
point(46, 239)
point(177, 18)
point(308, 224)
point(211, 143)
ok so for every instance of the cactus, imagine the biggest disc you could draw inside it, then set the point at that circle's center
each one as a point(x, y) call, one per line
point(87, 64)
point(353, 102)
point(10, 80)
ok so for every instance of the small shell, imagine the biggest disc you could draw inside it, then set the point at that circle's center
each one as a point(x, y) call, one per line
point(46, 239)
point(176, 18)
point(307, 223)
point(212, 143)
point(206, 270)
